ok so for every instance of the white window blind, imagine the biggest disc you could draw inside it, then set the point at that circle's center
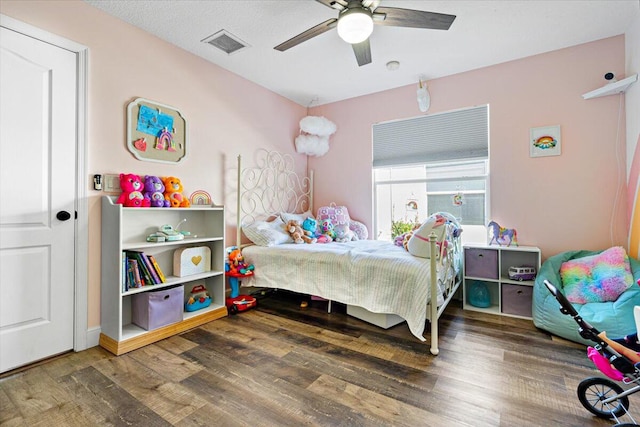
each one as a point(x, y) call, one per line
point(455, 135)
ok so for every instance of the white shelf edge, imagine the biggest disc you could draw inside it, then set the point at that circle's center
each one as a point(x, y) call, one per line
point(173, 281)
point(612, 88)
point(186, 241)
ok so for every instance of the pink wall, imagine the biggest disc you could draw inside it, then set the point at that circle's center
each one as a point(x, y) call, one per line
point(226, 114)
point(556, 203)
point(560, 203)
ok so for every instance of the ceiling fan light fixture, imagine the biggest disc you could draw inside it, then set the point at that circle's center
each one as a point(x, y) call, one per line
point(355, 25)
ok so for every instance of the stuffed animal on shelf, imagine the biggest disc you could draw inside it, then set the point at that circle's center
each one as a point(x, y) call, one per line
point(298, 234)
point(154, 191)
point(173, 192)
point(236, 264)
point(326, 226)
point(131, 196)
point(344, 234)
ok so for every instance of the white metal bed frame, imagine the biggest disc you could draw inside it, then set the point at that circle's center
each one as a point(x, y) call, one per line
point(273, 186)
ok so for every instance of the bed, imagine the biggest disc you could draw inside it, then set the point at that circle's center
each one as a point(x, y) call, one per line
point(370, 276)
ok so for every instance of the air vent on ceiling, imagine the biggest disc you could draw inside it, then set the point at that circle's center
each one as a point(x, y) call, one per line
point(226, 42)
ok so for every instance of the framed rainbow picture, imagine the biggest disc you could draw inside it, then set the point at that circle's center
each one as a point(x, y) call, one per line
point(545, 141)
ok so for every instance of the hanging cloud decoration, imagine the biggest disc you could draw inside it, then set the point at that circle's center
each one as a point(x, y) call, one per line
point(314, 136)
point(315, 125)
point(312, 145)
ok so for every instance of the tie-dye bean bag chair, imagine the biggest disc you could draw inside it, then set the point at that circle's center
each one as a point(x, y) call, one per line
point(601, 285)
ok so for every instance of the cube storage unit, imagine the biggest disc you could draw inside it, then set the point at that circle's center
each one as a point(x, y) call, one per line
point(487, 286)
point(126, 229)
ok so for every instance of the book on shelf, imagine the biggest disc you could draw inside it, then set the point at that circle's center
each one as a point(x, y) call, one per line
point(124, 273)
point(146, 267)
point(151, 269)
point(145, 274)
point(130, 278)
point(156, 266)
point(137, 278)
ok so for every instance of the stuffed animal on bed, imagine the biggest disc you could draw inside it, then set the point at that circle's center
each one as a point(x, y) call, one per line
point(298, 234)
point(131, 196)
point(344, 234)
point(326, 226)
point(310, 225)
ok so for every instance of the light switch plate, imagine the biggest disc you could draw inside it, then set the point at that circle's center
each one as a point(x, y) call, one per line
point(111, 183)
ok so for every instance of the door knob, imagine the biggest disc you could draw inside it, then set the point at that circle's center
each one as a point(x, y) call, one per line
point(63, 215)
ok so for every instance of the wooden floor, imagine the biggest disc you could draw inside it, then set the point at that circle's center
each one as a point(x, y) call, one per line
point(280, 365)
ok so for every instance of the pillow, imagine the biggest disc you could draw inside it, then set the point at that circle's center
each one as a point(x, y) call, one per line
point(337, 214)
point(286, 216)
point(263, 233)
point(359, 229)
point(597, 278)
point(418, 244)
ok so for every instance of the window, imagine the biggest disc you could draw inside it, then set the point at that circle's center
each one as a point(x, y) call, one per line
point(420, 167)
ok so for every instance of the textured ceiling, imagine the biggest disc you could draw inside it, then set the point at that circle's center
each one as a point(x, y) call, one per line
point(324, 69)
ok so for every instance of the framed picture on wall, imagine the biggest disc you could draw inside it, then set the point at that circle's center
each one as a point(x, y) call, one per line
point(545, 141)
point(156, 132)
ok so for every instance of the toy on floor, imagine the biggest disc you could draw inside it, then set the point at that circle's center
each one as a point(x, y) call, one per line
point(240, 303)
point(235, 269)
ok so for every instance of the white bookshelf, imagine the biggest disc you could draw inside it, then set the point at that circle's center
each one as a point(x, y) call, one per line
point(127, 229)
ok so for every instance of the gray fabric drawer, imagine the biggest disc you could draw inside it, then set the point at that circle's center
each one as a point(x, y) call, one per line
point(481, 263)
point(516, 299)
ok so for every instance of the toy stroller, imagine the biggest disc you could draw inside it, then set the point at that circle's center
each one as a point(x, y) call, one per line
point(604, 397)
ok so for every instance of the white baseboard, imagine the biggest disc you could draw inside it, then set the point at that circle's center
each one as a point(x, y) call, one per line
point(93, 336)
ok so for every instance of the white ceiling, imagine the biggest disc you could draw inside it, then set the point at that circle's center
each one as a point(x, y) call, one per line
point(324, 69)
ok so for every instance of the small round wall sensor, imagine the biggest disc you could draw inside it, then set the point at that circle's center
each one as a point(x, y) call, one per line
point(609, 76)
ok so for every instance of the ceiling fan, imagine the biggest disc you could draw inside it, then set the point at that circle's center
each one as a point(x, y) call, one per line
point(356, 19)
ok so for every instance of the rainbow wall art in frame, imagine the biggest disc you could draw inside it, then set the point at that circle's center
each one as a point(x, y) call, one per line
point(545, 141)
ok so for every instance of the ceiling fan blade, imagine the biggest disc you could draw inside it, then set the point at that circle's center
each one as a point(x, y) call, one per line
point(310, 33)
point(371, 4)
point(414, 18)
point(334, 4)
point(363, 52)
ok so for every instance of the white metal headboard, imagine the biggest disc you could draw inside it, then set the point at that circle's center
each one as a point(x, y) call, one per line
point(270, 187)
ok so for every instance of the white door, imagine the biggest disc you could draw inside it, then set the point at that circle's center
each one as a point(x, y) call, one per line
point(37, 199)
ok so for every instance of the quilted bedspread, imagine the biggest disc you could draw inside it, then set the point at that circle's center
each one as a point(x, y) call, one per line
point(373, 274)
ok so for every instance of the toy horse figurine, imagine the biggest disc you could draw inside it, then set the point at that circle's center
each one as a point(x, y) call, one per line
point(500, 234)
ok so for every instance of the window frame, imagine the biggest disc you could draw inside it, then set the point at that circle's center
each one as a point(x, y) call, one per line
point(483, 177)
